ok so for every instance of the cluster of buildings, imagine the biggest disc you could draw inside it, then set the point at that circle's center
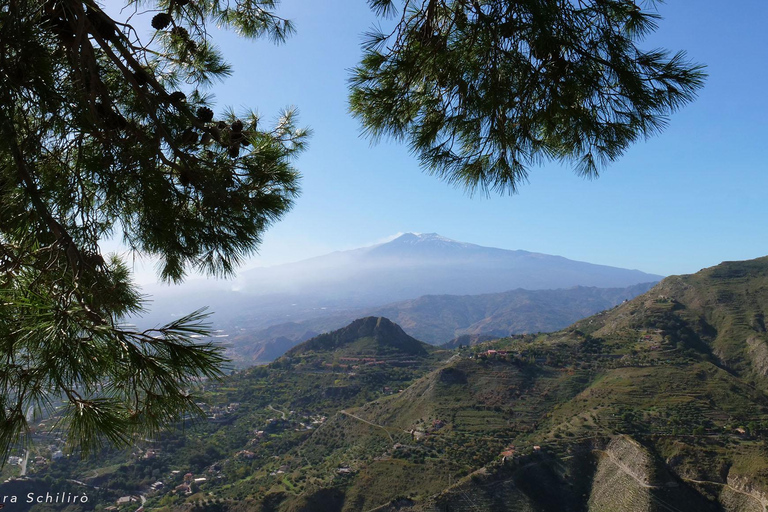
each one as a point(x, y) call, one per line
point(355, 363)
point(123, 501)
point(433, 428)
point(38, 460)
point(496, 353)
point(215, 412)
point(281, 470)
point(314, 422)
point(189, 484)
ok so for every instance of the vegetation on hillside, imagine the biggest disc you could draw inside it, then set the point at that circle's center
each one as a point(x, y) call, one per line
point(634, 409)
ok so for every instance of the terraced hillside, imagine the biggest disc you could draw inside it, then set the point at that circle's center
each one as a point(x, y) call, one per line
point(658, 404)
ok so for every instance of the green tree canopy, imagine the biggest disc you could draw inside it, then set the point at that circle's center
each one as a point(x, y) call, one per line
point(103, 134)
point(483, 89)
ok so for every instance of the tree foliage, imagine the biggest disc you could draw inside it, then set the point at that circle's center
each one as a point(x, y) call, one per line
point(105, 134)
point(483, 89)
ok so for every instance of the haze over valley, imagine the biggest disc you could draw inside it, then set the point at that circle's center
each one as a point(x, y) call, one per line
point(437, 288)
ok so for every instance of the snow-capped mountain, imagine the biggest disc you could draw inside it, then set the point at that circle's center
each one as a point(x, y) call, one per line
point(413, 264)
point(410, 266)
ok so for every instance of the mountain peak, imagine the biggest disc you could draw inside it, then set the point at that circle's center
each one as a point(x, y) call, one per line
point(416, 238)
point(423, 244)
point(427, 236)
point(377, 335)
point(412, 265)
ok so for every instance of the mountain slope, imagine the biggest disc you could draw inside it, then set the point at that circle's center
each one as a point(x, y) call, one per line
point(375, 336)
point(656, 405)
point(720, 310)
point(437, 319)
point(635, 409)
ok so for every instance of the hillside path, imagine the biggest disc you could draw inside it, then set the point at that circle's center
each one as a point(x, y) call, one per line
point(369, 423)
point(722, 484)
point(276, 410)
point(453, 358)
point(628, 471)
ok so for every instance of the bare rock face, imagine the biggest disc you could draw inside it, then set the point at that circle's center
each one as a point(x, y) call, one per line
point(742, 495)
point(733, 501)
point(624, 479)
point(757, 349)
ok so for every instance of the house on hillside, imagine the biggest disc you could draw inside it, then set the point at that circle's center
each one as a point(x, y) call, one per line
point(126, 500)
point(507, 454)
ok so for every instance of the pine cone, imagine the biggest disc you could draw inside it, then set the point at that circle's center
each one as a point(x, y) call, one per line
point(189, 136)
point(92, 259)
point(237, 126)
point(234, 150)
point(205, 114)
point(177, 96)
point(180, 32)
point(184, 177)
point(140, 76)
point(162, 20)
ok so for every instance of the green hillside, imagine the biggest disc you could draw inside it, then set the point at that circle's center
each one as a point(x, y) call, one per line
point(371, 336)
point(721, 309)
point(658, 404)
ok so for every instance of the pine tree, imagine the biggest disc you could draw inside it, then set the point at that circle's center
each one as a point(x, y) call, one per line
point(481, 90)
point(103, 134)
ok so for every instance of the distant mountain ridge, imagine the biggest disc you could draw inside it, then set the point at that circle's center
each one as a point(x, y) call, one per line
point(437, 319)
point(364, 280)
point(413, 265)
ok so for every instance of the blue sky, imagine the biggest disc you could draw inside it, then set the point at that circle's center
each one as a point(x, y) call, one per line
point(686, 199)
